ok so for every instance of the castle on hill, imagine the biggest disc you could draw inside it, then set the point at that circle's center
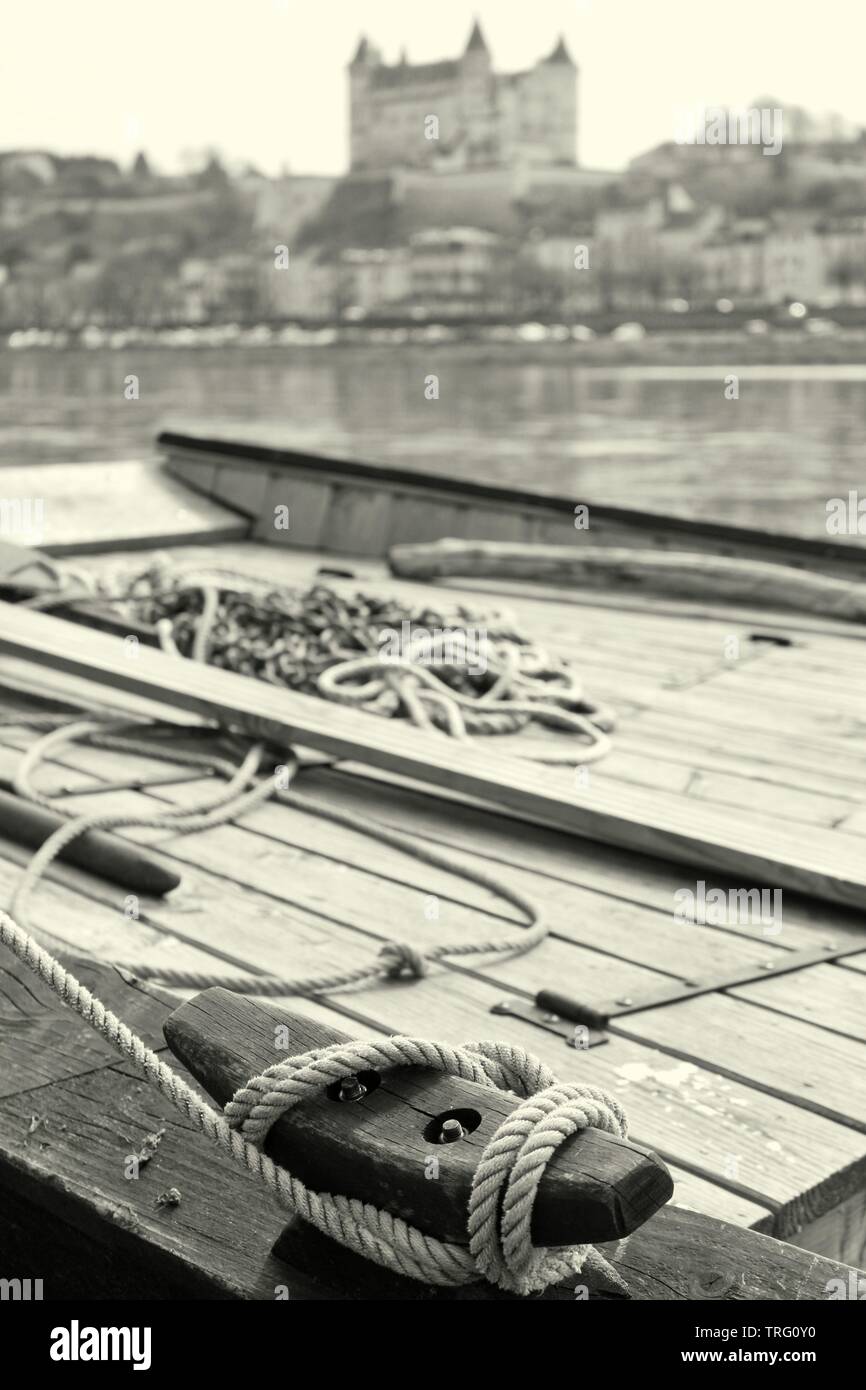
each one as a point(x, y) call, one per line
point(459, 113)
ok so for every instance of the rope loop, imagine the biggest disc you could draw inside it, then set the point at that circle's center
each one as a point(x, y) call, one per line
point(401, 959)
point(509, 1173)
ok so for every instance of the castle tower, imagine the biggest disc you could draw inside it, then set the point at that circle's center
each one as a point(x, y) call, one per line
point(560, 75)
point(360, 132)
point(478, 99)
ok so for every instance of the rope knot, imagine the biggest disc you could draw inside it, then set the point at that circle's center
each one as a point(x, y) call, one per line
point(505, 1182)
point(401, 959)
point(508, 1177)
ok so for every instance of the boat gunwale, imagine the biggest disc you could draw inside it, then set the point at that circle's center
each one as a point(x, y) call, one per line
point(178, 444)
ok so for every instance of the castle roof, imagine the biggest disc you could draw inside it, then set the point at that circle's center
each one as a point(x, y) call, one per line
point(360, 52)
point(476, 39)
point(407, 74)
point(561, 54)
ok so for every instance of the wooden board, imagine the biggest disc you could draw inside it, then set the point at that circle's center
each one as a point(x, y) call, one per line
point(88, 507)
point(666, 824)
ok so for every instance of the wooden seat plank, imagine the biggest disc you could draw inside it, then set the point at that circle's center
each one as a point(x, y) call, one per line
point(816, 861)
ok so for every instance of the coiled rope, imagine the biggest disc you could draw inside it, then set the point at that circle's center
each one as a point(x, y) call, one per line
point(320, 642)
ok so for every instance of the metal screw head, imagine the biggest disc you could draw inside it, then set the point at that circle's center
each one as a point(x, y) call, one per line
point(352, 1088)
point(625, 1002)
point(451, 1131)
point(551, 1018)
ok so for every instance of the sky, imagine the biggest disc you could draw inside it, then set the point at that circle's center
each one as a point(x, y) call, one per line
point(264, 80)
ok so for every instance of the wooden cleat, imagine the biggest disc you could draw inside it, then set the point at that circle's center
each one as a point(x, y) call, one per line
point(382, 1147)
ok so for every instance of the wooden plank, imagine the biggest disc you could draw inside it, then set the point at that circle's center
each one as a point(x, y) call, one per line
point(762, 1269)
point(829, 1076)
point(599, 896)
point(42, 1041)
point(68, 913)
point(197, 473)
point(709, 757)
point(357, 522)
point(308, 504)
point(830, 997)
point(814, 861)
point(839, 1234)
point(97, 1234)
point(242, 488)
point(407, 519)
point(90, 507)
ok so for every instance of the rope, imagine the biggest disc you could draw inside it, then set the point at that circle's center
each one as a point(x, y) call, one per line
point(513, 1164)
point(395, 958)
point(421, 692)
point(319, 642)
point(505, 1183)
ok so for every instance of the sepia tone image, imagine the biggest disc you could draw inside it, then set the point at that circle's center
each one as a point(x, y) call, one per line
point(432, 675)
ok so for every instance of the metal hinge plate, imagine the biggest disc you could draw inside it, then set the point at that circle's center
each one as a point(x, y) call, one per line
point(575, 1034)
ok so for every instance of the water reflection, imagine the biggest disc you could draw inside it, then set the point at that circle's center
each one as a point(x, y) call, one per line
point(665, 438)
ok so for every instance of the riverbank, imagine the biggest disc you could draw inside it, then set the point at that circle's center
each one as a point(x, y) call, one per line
point(758, 341)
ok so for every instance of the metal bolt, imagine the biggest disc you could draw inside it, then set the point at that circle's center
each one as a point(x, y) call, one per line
point(451, 1131)
point(352, 1088)
point(551, 1018)
point(626, 1003)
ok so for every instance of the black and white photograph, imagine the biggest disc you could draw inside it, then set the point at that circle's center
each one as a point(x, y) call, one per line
point(432, 676)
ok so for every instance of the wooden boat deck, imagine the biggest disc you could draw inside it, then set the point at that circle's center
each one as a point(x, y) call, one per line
point(755, 1095)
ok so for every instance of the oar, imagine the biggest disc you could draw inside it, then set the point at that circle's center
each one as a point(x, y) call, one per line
point(107, 856)
point(674, 573)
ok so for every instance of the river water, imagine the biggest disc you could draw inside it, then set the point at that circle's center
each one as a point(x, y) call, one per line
point(665, 438)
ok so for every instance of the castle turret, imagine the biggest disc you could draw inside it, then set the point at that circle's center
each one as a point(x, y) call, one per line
point(476, 38)
point(360, 53)
point(560, 79)
point(366, 59)
point(561, 54)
